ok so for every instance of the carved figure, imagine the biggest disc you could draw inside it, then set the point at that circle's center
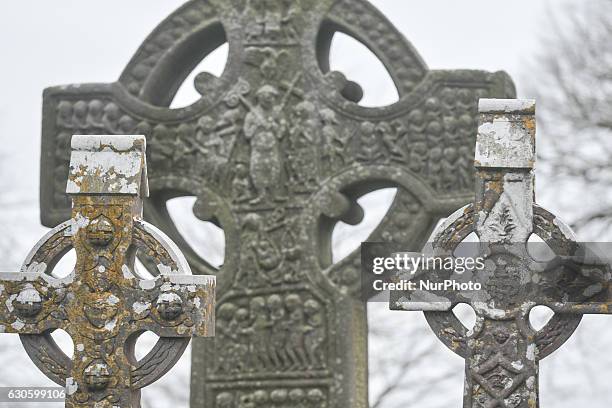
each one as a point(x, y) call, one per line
point(263, 128)
point(278, 332)
point(295, 342)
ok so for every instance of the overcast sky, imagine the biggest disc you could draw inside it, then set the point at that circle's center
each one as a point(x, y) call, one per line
point(45, 43)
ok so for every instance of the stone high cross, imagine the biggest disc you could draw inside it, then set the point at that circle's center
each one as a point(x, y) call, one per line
point(277, 150)
point(104, 304)
point(503, 350)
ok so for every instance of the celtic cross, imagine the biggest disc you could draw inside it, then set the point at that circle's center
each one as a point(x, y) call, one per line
point(277, 150)
point(104, 304)
point(502, 351)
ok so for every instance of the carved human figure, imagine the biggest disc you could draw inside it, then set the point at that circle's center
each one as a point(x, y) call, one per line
point(304, 141)
point(111, 116)
point(227, 130)
point(391, 135)
point(63, 140)
point(94, 114)
point(466, 124)
point(398, 150)
point(263, 128)
point(261, 399)
point(295, 341)
point(226, 337)
point(79, 115)
point(244, 333)
point(434, 133)
point(279, 398)
point(314, 334)
point(241, 186)
point(278, 332)
point(260, 333)
point(417, 123)
point(64, 115)
point(266, 59)
point(272, 19)
point(162, 146)
point(418, 157)
point(370, 149)
point(269, 258)
point(466, 100)
point(463, 167)
point(183, 147)
point(143, 128)
point(448, 98)
point(451, 128)
point(225, 400)
point(263, 257)
point(214, 144)
point(249, 271)
point(297, 397)
point(255, 24)
point(434, 166)
point(126, 125)
point(335, 142)
point(289, 24)
point(316, 398)
point(292, 252)
point(449, 169)
point(434, 129)
point(205, 127)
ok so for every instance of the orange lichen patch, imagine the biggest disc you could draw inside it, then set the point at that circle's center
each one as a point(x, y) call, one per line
point(530, 124)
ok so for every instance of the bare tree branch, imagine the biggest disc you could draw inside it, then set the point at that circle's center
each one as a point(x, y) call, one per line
point(572, 77)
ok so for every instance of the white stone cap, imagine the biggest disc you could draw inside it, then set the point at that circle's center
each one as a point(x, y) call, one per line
point(108, 164)
point(510, 106)
point(506, 134)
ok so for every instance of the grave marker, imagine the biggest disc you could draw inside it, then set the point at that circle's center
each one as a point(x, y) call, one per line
point(277, 150)
point(502, 351)
point(104, 304)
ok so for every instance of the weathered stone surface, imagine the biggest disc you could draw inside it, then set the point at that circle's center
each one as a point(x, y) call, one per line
point(502, 351)
point(104, 304)
point(277, 150)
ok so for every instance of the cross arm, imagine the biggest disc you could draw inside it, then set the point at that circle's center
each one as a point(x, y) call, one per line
point(422, 298)
point(108, 109)
point(32, 302)
point(441, 111)
point(424, 145)
point(566, 284)
point(174, 305)
point(574, 284)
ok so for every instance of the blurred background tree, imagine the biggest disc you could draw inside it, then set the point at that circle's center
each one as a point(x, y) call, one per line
point(571, 76)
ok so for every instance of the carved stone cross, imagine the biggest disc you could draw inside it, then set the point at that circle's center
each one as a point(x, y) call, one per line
point(104, 304)
point(502, 351)
point(277, 150)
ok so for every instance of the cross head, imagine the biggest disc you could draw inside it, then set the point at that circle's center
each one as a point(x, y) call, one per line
point(105, 303)
point(503, 350)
